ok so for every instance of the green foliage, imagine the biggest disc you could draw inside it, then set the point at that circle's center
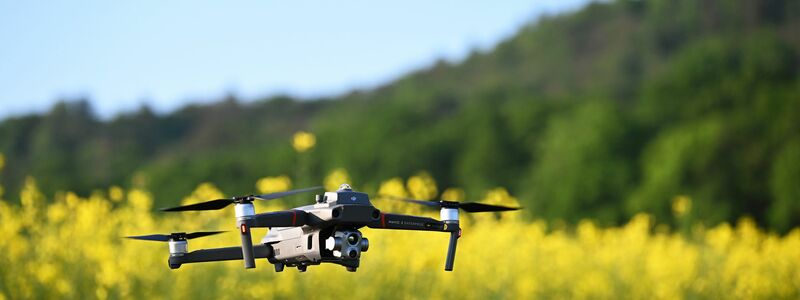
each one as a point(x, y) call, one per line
point(601, 113)
point(582, 169)
point(785, 188)
point(681, 161)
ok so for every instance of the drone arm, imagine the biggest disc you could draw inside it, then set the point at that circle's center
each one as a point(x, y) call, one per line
point(396, 221)
point(407, 222)
point(289, 218)
point(217, 254)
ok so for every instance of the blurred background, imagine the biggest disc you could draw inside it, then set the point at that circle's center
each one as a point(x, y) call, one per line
point(585, 111)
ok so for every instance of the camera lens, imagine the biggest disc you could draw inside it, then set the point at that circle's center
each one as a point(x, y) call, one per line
point(352, 253)
point(352, 239)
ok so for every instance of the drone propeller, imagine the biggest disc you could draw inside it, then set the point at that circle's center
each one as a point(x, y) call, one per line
point(471, 207)
point(176, 236)
point(222, 203)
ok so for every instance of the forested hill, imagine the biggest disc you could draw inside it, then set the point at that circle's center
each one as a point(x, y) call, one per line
point(601, 113)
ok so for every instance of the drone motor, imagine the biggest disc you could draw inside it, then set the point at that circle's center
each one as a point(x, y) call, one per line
point(178, 248)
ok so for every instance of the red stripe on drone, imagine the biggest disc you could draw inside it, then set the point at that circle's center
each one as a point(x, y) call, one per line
point(383, 220)
point(294, 218)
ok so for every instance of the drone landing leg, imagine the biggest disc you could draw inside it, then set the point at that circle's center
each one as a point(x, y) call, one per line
point(451, 252)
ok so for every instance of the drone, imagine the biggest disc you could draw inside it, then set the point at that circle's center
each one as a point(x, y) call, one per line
point(324, 232)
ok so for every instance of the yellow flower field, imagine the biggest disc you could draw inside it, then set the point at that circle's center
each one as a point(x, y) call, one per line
point(71, 247)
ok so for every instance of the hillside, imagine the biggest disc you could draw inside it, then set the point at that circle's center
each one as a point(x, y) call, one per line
point(601, 113)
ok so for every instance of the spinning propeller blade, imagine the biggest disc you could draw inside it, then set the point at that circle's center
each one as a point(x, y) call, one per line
point(471, 207)
point(174, 236)
point(222, 203)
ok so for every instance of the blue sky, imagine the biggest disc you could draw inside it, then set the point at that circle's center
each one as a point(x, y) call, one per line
point(168, 53)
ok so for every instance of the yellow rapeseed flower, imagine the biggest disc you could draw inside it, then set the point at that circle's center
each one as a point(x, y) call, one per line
point(303, 141)
point(336, 178)
point(140, 200)
point(453, 194)
point(422, 186)
point(681, 205)
point(274, 184)
point(115, 193)
point(500, 196)
point(393, 187)
point(71, 248)
point(31, 197)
